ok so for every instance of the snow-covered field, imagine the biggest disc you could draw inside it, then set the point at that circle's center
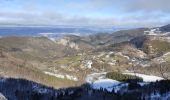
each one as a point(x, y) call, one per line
point(146, 78)
point(99, 81)
point(108, 84)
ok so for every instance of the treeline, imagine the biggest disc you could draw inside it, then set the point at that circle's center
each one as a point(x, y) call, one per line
point(122, 77)
point(20, 89)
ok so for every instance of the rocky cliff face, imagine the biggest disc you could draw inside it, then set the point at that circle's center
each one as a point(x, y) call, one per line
point(69, 43)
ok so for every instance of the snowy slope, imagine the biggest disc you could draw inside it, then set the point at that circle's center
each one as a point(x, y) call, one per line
point(105, 84)
point(99, 81)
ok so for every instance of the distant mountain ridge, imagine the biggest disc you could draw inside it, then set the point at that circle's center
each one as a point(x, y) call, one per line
point(52, 31)
point(99, 40)
point(165, 28)
point(159, 31)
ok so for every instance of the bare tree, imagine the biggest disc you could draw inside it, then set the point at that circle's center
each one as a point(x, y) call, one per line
point(24, 63)
point(134, 71)
point(133, 68)
point(1, 53)
point(163, 70)
point(118, 68)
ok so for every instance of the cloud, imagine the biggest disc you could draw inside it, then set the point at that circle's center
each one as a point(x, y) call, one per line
point(149, 5)
point(126, 5)
point(80, 13)
point(48, 18)
point(54, 18)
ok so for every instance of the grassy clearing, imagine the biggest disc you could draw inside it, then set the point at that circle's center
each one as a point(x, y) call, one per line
point(67, 60)
point(57, 82)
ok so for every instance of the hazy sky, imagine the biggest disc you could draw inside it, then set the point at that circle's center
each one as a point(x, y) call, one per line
point(124, 13)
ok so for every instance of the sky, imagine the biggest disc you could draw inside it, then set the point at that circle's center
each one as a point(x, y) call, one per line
point(116, 13)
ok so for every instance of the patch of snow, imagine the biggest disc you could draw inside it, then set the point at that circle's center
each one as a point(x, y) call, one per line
point(123, 87)
point(111, 63)
point(143, 83)
point(159, 60)
point(101, 54)
point(133, 60)
point(56, 75)
point(157, 96)
point(111, 53)
point(154, 96)
point(94, 76)
point(62, 76)
point(166, 54)
point(89, 64)
point(53, 39)
point(71, 77)
point(107, 56)
point(166, 96)
point(39, 89)
point(127, 57)
point(2, 97)
point(105, 84)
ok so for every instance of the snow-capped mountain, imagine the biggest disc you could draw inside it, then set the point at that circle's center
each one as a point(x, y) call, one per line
point(159, 31)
